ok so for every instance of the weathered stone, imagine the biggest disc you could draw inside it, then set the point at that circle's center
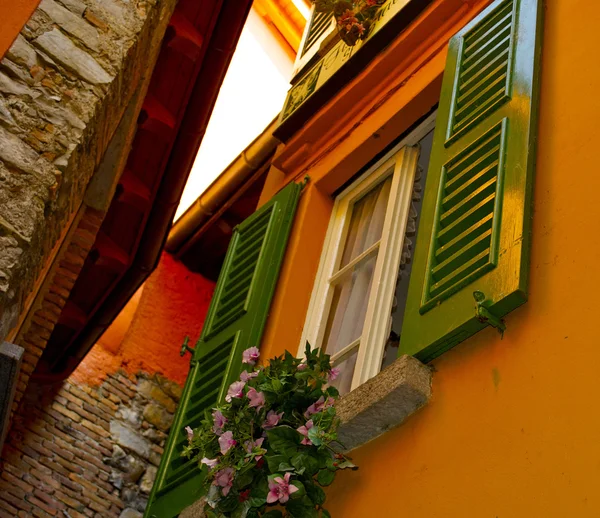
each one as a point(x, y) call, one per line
point(383, 402)
point(171, 388)
point(196, 510)
point(131, 467)
point(148, 480)
point(130, 513)
point(131, 416)
point(72, 57)
point(154, 435)
point(152, 391)
point(8, 86)
point(116, 479)
point(22, 52)
point(158, 416)
point(75, 6)
point(154, 458)
point(21, 201)
point(14, 152)
point(9, 256)
point(71, 23)
point(130, 439)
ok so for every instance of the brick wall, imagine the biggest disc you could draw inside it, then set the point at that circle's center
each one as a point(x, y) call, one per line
point(81, 451)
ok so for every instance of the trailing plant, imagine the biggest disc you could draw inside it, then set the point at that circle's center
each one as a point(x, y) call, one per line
point(271, 447)
point(354, 18)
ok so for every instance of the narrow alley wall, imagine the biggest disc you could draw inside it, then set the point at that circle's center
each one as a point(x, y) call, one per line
point(90, 447)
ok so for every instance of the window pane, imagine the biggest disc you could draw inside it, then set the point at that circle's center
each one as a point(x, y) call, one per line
point(344, 381)
point(348, 308)
point(366, 222)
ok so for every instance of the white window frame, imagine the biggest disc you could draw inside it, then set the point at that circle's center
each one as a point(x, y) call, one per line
point(402, 162)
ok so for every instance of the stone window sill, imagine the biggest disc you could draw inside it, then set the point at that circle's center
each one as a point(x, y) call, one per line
point(383, 402)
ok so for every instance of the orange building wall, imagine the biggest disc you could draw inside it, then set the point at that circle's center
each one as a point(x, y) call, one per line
point(13, 15)
point(513, 427)
point(148, 334)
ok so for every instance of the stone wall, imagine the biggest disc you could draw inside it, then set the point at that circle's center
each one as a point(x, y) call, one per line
point(87, 451)
point(64, 86)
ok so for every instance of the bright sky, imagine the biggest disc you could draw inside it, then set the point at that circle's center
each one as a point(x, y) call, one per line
point(252, 94)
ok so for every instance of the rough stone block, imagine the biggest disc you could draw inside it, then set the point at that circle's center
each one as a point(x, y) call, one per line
point(158, 416)
point(72, 57)
point(71, 23)
point(153, 392)
point(130, 439)
point(383, 402)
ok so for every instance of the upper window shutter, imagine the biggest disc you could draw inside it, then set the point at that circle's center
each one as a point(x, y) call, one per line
point(318, 29)
point(235, 321)
point(474, 236)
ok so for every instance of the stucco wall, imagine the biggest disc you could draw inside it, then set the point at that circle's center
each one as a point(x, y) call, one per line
point(512, 430)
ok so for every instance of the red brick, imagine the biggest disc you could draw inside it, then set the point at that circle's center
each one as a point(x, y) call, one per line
point(17, 482)
point(5, 506)
point(19, 503)
point(42, 505)
point(67, 413)
point(61, 452)
point(95, 428)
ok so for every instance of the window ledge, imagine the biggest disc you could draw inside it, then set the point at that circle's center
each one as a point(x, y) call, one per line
point(383, 402)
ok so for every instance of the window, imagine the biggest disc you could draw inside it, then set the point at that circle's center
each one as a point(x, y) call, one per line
point(320, 30)
point(361, 286)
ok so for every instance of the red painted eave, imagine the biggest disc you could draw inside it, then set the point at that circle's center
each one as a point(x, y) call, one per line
point(194, 57)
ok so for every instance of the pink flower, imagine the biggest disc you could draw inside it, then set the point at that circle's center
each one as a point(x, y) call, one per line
point(250, 445)
point(347, 20)
point(304, 431)
point(257, 399)
point(333, 374)
point(226, 442)
point(302, 366)
point(211, 463)
point(280, 489)
point(250, 356)
point(319, 405)
point(245, 375)
point(224, 479)
point(236, 390)
point(272, 419)
point(190, 433)
point(219, 421)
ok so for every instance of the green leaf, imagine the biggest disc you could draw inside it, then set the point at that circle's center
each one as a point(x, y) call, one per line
point(301, 490)
point(347, 464)
point(315, 493)
point(242, 510)
point(325, 513)
point(277, 385)
point(307, 461)
point(244, 479)
point(314, 434)
point(325, 477)
point(302, 508)
point(273, 514)
point(278, 463)
point(284, 440)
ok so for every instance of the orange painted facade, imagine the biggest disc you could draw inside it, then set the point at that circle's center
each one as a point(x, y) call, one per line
point(512, 429)
point(148, 333)
point(14, 15)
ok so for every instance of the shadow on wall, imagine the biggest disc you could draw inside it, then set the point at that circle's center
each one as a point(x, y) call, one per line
point(148, 333)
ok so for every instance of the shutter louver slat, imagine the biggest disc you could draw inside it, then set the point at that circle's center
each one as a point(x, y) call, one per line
point(235, 321)
point(466, 173)
point(319, 25)
point(483, 80)
point(474, 232)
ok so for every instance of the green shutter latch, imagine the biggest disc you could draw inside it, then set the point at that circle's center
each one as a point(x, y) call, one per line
point(185, 348)
point(485, 315)
point(304, 182)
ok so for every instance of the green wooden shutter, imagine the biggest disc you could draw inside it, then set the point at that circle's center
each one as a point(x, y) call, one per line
point(235, 321)
point(474, 234)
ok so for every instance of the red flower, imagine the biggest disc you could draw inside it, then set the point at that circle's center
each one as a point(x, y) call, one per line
point(244, 495)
